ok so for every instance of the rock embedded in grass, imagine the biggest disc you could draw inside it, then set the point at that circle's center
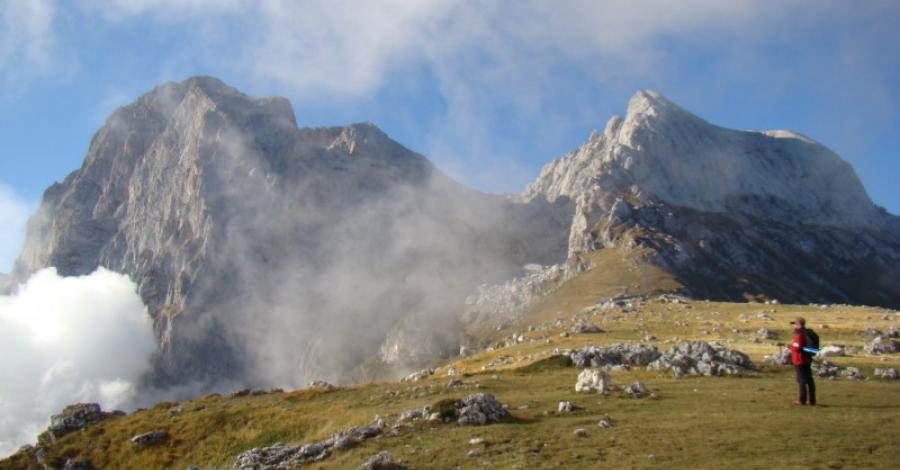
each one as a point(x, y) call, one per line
point(150, 439)
point(882, 345)
point(590, 380)
point(635, 390)
point(74, 418)
point(280, 456)
point(888, 373)
point(566, 407)
point(832, 350)
point(381, 461)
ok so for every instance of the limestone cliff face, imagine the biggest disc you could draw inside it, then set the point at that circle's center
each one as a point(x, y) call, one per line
point(734, 213)
point(270, 254)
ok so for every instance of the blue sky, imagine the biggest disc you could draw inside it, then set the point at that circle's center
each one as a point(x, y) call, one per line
point(490, 91)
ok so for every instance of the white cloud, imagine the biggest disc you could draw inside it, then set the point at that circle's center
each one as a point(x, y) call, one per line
point(14, 212)
point(27, 42)
point(65, 340)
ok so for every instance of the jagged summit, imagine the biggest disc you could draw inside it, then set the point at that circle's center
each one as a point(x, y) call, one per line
point(662, 152)
point(649, 103)
point(729, 210)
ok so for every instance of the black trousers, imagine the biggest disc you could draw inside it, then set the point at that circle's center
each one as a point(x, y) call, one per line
point(807, 384)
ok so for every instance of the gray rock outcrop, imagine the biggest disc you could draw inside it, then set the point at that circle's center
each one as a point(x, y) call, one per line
point(74, 418)
point(279, 456)
point(702, 358)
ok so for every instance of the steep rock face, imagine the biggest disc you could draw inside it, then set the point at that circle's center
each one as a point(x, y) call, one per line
point(734, 214)
point(270, 254)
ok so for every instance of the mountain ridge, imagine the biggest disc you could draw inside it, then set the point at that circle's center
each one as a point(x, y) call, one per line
point(261, 247)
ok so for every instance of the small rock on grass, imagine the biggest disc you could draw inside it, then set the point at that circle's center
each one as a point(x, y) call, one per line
point(381, 461)
point(581, 432)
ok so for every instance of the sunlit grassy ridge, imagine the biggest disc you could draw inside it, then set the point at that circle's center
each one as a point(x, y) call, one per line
point(709, 422)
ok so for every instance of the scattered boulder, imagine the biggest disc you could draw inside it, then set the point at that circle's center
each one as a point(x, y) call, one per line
point(476, 441)
point(889, 373)
point(832, 371)
point(782, 358)
point(381, 461)
point(882, 345)
point(475, 409)
point(566, 407)
point(593, 380)
point(418, 375)
point(582, 328)
point(454, 383)
point(581, 432)
point(765, 333)
point(832, 350)
point(73, 418)
point(702, 358)
point(869, 332)
point(635, 390)
point(149, 439)
point(479, 409)
point(605, 423)
point(852, 373)
point(826, 369)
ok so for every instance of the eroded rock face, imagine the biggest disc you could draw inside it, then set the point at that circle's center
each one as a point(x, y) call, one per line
point(729, 212)
point(236, 224)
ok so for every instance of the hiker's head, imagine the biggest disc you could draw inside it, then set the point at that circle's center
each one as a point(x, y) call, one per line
point(799, 322)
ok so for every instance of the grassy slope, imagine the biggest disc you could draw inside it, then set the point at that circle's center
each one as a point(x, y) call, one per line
point(696, 422)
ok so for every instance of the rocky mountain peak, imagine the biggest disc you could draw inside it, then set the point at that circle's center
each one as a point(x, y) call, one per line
point(649, 103)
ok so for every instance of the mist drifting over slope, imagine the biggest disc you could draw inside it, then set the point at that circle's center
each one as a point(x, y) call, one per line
point(270, 254)
point(65, 340)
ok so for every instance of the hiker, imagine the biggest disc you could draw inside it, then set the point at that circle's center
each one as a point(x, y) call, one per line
point(802, 364)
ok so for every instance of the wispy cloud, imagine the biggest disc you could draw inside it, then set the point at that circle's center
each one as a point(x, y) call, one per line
point(27, 41)
point(14, 212)
point(548, 67)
